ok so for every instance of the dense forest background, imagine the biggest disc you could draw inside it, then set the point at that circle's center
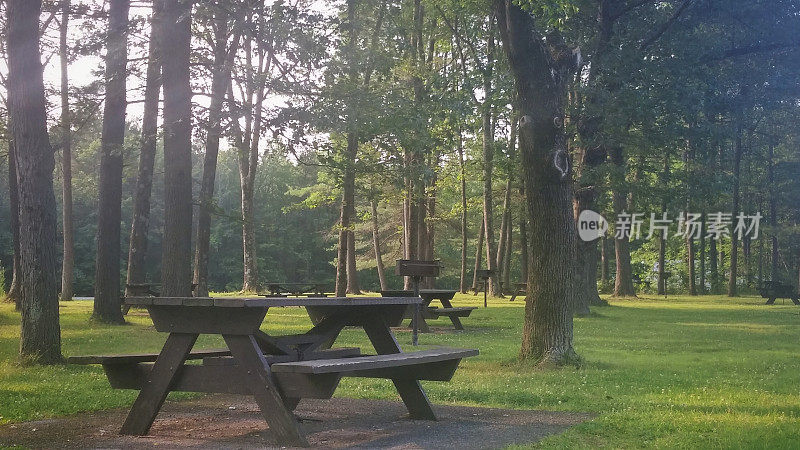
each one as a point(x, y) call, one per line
point(694, 104)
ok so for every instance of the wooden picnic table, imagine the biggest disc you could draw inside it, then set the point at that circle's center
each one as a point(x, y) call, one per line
point(276, 370)
point(430, 312)
point(280, 289)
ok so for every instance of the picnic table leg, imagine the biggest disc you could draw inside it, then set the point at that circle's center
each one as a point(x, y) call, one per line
point(410, 391)
point(154, 392)
point(422, 326)
point(247, 354)
point(456, 321)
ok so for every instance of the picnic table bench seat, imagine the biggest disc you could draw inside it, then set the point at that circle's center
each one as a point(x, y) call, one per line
point(458, 311)
point(319, 378)
point(135, 358)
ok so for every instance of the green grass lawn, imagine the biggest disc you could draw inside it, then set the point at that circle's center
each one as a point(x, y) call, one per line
point(682, 372)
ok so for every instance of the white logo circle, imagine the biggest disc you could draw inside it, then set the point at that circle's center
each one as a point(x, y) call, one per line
point(591, 225)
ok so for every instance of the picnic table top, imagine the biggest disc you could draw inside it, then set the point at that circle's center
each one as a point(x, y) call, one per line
point(293, 283)
point(268, 302)
point(424, 291)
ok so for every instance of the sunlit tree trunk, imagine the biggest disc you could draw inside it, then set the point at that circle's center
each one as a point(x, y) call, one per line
point(478, 256)
point(109, 217)
point(376, 244)
point(463, 176)
point(68, 260)
point(40, 336)
point(488, 166)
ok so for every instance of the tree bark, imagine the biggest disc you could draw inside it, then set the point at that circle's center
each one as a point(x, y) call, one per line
point(220, 78)
point(176, 269)
point(464, 229)
point(773, 214)
point(523, 236)
point(503, 241)
point(508, 254)
point(604, 259)
point(376, 244)
point(737, 162)
point(488, 166)
point(68, 260)
point(540, 73)
point(14, 293)
point(107, 268)
point(703, 253)
point(713, 270)
point(478, 256)
point(40, 336)
point(140, 222)
point(353, 287)
point(623, 286)
point(345, 216)
point(593, 154)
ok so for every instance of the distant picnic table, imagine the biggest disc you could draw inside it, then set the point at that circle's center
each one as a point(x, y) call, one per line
point(283, 289)
point(431, 312)
point(772, 290)
point(277, 370)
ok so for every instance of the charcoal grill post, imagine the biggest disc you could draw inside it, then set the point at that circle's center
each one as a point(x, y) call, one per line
point(485, 274)
point(417, 270)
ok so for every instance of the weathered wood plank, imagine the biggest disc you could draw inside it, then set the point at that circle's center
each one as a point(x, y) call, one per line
point(345, 352)
point(415, 399)
point(205, 320)
point(268, 302)
point(347, 365)
point(154, 392)
point(253, 367)
point(140, 357)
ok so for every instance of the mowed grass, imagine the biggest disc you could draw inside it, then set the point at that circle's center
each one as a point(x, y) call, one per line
point(678, 372)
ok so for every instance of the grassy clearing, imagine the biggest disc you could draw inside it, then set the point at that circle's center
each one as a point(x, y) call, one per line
point(682, 372)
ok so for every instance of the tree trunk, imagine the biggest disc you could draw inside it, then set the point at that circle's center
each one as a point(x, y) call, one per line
point(140, 222)
point(478, 256)
point(107, 269)
point(713, 270)
point(703, 253)
point(40, 336)
point(540, 82)
point(604, 259)
point(662, 236)
point(587, 254)
point(353, 287)
point(773, 214)
point(690, 257)
point(508, 254)
point(523, 237)
point(503, 241)
point(376, 243)
point(488, 166)
point(737, 161)
point(623, 287)
point(223, 60)
point(176, 269)
point(464, 230)
point(14, 293)
point(345, 218)
point(68, 260)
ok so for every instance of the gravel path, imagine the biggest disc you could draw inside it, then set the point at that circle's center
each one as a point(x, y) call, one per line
point(233, 421)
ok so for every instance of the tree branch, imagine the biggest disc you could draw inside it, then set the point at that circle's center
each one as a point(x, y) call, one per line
point(665, 26)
